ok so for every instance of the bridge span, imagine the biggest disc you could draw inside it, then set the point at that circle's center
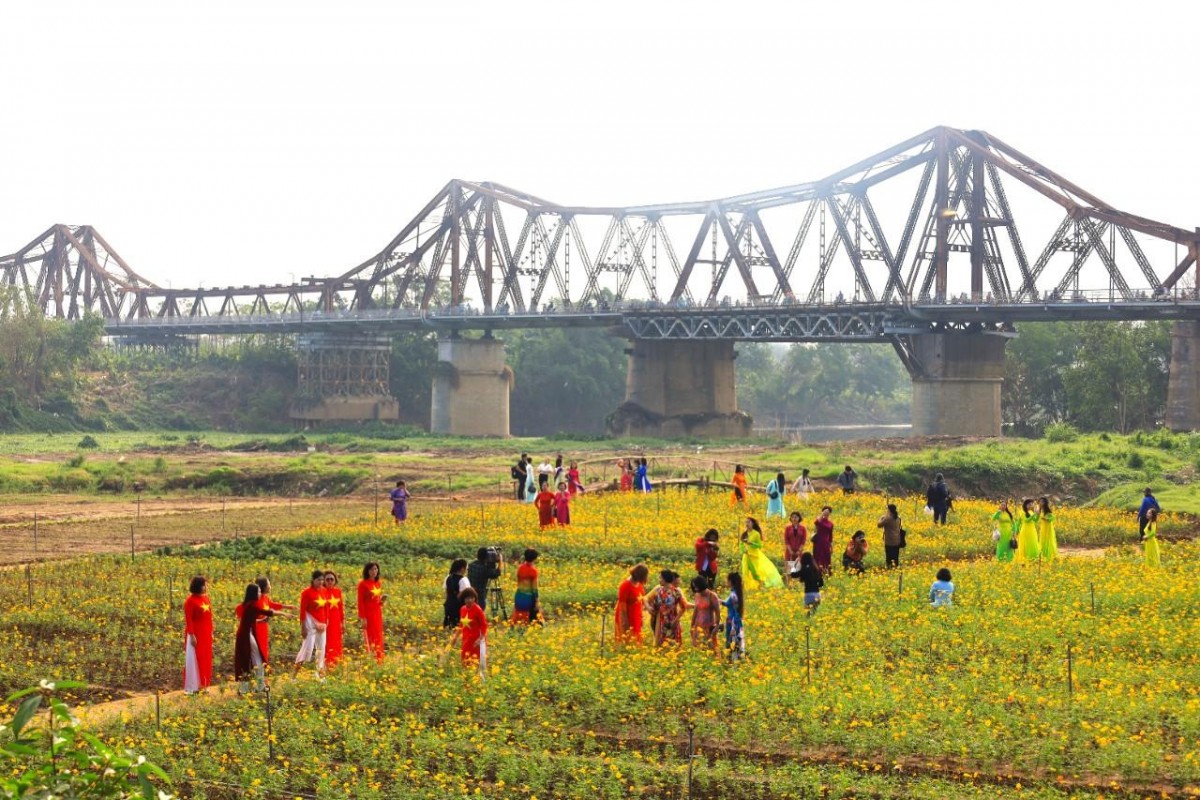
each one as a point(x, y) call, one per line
point(939, 246)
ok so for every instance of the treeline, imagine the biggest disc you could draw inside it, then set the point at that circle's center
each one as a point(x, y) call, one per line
point(822, 384)
point(1096, 376)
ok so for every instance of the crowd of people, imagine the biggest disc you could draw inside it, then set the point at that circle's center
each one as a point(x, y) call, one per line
point(1026, 536)
point(321, 612)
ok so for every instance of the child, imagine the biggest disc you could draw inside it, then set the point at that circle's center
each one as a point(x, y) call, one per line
point(941, 593)
point(813, 579)
point(706, 614)
point(472, 630)
point(735, 604)
point(852, 559)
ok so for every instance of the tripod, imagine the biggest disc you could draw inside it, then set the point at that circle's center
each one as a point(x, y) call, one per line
point(496, 603)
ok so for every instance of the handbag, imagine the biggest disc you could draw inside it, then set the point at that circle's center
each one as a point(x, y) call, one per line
point(995, 534)
point(1012, 543)
point(903, 538)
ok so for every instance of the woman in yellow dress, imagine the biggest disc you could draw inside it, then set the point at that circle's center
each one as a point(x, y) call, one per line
point(1029, 549)
point(1046, 535)
point(1150, 540)
point(757, 568)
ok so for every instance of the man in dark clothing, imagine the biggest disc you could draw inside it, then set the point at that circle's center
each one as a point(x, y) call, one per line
point(482, 571)
point(518, 475)
point(848, 480)
point(1148, 502)
point(938, 498)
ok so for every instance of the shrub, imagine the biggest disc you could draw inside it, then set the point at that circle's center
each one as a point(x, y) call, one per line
point(1136, 461)
point(80, 765)
point(1061, 432)
point(89, 442)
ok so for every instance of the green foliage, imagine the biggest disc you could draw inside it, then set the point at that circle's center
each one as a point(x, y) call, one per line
point(88, 442)
point(1096, 375)
point(1061, 432)
point(808, 384)
point(64, 761)
point(566, 380)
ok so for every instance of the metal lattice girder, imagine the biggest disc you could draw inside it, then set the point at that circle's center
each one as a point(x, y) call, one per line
point(748, 324)
point(911, 225)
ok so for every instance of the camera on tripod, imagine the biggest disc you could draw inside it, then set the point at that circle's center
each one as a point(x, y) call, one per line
point(494, 555)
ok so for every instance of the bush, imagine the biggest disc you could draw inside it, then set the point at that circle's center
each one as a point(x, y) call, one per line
point(81, 766)
point(1061, 432)
point(89, 442)
point(1136, 461)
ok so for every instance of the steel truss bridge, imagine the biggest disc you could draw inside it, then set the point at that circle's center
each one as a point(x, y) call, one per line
point(949, 230)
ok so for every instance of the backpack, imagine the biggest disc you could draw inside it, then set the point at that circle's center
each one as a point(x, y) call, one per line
point(516, 474)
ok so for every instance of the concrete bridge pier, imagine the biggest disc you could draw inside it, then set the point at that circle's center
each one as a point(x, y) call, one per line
point(1183, 385)
point(471, 384)
point(677, 388)
point(343, 377)
point(956, 383)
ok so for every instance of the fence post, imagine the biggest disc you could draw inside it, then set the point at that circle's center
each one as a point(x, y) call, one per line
point(603, 625)
point(376, 504)
point(157, 710)
point(222, 513)
point(270, 731)
point(807, 654)
point(691, 755)
point(171, 591)
point(1092, 586)
point(132, 554)
point(900, 585)
point(29, 582)
point(1070, 674)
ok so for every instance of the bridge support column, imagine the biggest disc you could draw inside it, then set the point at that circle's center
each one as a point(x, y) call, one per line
point(956, 384)
point(680, 388)
point(470, 388)
point(343, 378)
point(1183, 386)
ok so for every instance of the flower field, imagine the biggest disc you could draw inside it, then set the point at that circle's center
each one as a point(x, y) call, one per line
point(875, 695)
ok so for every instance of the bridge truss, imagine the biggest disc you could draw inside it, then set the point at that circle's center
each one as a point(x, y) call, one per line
point(951, 226)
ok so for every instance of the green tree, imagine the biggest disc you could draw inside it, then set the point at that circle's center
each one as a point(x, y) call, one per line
point(1118, 379)
point(1034, 394)
point(411, 376)
point(565, 380)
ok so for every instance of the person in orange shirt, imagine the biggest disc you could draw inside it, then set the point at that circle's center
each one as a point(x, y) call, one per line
point(337, 619)
point(314, 622)
point(370, 609)
point(197, 637)
point(740, 496)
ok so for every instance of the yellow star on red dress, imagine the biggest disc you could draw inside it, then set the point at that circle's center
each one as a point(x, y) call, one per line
point(205, 607)
point(465, 622)
point(333, 601)
point(320, 601)
point(377, 591)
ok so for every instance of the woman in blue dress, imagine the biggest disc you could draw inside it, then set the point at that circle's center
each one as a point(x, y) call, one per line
point(641, 481)
point(775, 490)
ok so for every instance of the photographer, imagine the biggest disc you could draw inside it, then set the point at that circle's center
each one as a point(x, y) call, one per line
point(487, 566)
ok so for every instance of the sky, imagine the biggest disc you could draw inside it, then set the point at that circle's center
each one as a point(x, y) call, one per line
point(251, 141)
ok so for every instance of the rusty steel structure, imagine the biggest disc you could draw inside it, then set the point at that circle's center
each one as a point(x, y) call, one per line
point(928, 234)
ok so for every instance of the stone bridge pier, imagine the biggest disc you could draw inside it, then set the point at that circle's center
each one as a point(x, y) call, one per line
point(1183, 385)
point(471, 385)
point(956, 382)
point(678, 388)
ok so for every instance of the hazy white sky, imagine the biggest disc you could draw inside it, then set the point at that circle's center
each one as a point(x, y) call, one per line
point(253, 141)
